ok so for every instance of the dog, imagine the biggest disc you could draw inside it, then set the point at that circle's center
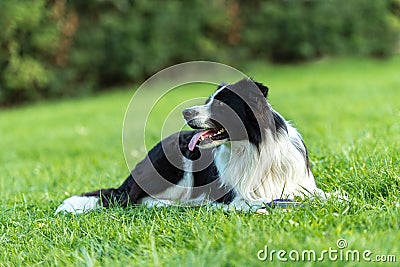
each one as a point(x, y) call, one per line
point(240, 155)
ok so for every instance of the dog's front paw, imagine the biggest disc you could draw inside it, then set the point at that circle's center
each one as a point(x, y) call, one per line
point(78, 204)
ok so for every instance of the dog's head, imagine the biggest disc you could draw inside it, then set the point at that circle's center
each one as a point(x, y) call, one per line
point(233, 112)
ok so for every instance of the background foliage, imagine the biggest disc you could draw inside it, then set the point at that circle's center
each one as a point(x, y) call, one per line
point(59, 48)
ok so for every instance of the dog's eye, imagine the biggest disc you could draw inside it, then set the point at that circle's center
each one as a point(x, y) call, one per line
point(220, 103)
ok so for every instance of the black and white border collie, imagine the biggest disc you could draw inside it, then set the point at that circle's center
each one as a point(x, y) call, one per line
point(241, 155)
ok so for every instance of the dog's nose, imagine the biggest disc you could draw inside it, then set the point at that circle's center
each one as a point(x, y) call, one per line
point(189, 113)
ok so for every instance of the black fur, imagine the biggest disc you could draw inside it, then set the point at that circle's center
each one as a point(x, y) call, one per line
point(163, 168)
point(243, 113)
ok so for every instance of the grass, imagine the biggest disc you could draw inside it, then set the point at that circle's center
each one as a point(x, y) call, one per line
point(348, 111)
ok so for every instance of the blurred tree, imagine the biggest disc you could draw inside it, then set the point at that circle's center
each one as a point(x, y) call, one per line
point(127, 40)
point(301, 30)
point(52, 48)
point(27, 47)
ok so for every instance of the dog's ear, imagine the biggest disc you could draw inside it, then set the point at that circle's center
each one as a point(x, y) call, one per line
point(264, 89)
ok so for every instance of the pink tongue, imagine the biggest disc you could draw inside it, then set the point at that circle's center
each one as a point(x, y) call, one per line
point(195, 139)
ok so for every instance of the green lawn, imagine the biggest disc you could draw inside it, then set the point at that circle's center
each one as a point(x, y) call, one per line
point(348, 111)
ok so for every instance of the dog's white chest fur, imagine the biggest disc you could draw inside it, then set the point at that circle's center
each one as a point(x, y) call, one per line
point(275, 170)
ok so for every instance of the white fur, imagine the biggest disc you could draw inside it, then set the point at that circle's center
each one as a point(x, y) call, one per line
point(204, 111)
point(179, 194)
point(78, 204)
point(215, 93)
point(153, 202)
point(277, 170)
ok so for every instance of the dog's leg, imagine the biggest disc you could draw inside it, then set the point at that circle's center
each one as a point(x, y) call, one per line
point(78, 204)
point(340, 196)
point(128, 192)
point(150, 202)
point(239, 204)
